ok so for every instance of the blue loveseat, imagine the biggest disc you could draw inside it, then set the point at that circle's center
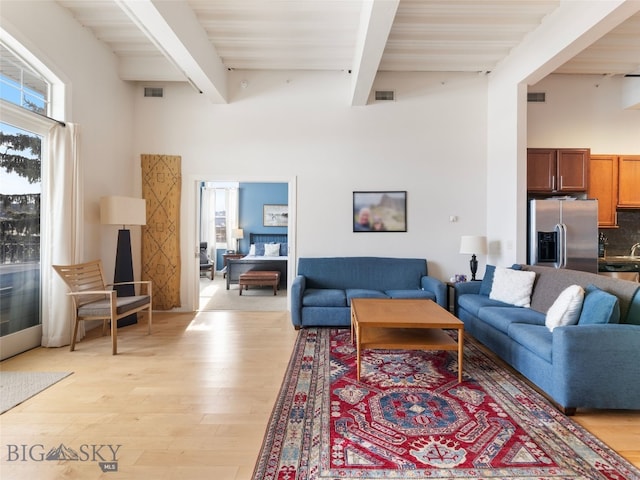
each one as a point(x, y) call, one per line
point(321, 292)
point(592, 364)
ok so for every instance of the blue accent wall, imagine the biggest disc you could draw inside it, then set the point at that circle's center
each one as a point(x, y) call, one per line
point(252, 197)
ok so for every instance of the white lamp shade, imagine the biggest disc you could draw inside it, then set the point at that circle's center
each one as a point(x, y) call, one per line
point(238, 233)
point(473, 244)
point(123, 211)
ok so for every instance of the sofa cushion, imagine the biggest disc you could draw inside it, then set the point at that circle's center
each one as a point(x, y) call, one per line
point(512, 286)
point(535, 338)
point(487, 280)
point(566, 309)
point(410, 294)
point(363, 293)
point(501, 317)
point(324, 297)
point(472, 303)
point(599, 307)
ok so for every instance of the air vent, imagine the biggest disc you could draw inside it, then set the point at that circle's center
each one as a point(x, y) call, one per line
point(157, 92)
point(536, 97)
point(385, 95)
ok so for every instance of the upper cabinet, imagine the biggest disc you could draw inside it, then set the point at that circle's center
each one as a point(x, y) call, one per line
point(557, 170)
point(629, 181)
point(603, 186)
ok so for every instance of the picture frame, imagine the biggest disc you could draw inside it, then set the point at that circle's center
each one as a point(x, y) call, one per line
point(379, 211)
point(275, 215)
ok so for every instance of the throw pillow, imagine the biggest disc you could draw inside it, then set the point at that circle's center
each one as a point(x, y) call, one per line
point(272, 250)
point(599, 307)
point(487, 280)
point(566, 309)
point(512, 286)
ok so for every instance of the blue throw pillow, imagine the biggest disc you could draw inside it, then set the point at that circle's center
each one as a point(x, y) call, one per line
point(487, 280)
point(599, 307)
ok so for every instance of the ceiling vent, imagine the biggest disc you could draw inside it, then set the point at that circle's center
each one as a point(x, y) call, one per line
point(156, 92)
point(536, 97)
point(385, 95)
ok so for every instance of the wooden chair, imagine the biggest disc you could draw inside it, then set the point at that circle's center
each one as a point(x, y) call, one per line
point(95, 300)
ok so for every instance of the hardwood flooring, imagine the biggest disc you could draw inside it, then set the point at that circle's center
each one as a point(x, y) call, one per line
point(191, 401)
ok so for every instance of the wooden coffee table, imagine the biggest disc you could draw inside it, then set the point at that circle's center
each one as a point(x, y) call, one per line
point(387, 323)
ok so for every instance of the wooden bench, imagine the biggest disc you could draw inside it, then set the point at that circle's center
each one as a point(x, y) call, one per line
point(257, 277)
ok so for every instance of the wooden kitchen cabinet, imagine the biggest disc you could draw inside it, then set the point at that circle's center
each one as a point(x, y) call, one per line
point(557, 170)
point(629, 181)
point(603, 186)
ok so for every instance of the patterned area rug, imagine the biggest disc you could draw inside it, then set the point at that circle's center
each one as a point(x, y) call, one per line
point(410, 418)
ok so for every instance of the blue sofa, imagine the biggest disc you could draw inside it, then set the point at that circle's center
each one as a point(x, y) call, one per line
point(590, 365)
point(322, 290)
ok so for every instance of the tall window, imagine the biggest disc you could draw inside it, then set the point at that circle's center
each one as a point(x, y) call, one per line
point(20, 195)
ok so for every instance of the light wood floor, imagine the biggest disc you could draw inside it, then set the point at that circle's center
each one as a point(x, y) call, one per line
point(191, 401)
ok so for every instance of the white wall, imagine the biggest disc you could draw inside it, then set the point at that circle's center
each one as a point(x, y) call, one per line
point(99, 102)
point(429, 142)
point(584, 112)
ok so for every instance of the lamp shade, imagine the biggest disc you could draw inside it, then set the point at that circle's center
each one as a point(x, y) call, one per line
point(473, 244)
point(123, 211)
point(238, 233)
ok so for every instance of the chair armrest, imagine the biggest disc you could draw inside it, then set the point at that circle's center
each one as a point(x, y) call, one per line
point(297, 290)
point(148, 283)
point(91, 292)
point(432, 284)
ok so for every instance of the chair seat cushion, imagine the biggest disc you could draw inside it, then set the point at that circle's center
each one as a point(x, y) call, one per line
point(324, 297)
point(102, 308)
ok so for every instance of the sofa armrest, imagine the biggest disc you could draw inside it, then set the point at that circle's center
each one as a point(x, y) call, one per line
point(297, 290)
point(463, 288)
point(432, 284)
point(596, 365)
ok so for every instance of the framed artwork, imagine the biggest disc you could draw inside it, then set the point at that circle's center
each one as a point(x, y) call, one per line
point(275, 215)
point(380, 211)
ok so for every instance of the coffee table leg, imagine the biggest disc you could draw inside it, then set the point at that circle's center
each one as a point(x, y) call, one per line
point(357, 352)
point(460, 353)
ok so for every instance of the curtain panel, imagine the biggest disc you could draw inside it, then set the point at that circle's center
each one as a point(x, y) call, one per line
point(62, 232)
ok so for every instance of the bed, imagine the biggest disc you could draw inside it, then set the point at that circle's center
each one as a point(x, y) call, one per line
point(257, 260)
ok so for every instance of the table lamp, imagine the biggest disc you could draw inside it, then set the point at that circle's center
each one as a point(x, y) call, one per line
point(123, 211)
point(238, 234)
point(473, 244)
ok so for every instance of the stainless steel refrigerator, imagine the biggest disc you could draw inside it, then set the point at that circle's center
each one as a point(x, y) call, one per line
point(563, 233)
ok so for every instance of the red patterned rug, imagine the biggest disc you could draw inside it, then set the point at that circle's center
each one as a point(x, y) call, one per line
point(409, 417)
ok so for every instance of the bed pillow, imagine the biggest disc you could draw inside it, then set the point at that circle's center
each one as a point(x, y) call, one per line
point(284, 249)
point(512, 286)
point(599, 307)
point(566, 308)
point(252, 250)
point(271, 249)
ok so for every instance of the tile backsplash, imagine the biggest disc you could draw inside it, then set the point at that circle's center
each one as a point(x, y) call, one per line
point(621, 239)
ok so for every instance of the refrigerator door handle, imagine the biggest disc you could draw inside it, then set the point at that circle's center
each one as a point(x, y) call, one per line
point(562, 236)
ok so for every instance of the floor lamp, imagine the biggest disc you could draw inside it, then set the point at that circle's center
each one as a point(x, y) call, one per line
point(123, 211)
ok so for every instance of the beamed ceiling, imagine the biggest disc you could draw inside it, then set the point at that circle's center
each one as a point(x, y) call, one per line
point(201, 40)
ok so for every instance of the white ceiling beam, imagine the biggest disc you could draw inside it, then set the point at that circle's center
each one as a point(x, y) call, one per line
point(144, 68)
point(567, 31)
point(375, 24)
point(174, 29)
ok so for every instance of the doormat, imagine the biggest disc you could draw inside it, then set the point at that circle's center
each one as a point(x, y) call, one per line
point(16, 387)
point(409, 417)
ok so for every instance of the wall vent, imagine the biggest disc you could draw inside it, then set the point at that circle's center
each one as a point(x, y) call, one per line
point(536, 97)
point(385, 95)
point(156, 92)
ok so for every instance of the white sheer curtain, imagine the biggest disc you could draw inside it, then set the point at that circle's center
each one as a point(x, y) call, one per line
point(61, 234)
point(232, 215)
